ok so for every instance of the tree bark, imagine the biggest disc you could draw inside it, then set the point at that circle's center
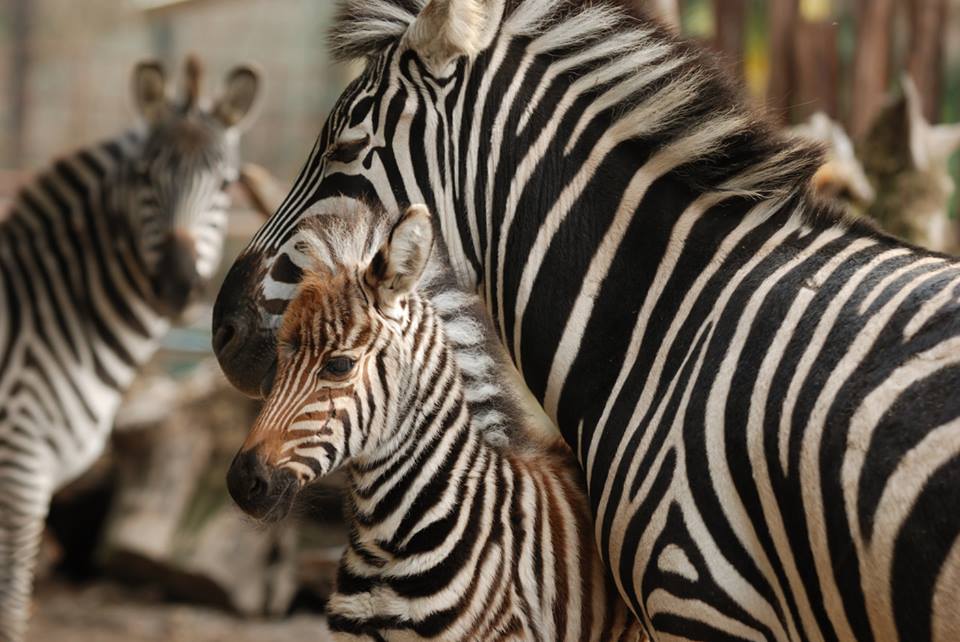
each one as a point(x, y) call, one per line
point(928, 21)
point(872, 63)
point(783, 25)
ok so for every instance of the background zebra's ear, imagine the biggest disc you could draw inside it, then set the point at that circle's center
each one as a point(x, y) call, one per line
point(447, 29)
point(150, 90)
point(236, 106)
point(931, 146)
point(398, 266)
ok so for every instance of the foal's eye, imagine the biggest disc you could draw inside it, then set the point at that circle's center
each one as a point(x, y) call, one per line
point(337, 367)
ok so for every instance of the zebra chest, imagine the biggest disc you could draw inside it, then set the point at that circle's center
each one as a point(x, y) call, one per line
point(71, 464)
point(57, 426)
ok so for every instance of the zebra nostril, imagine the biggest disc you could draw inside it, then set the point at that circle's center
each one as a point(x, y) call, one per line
point(225, 334)
point(248, 482)
point(258, 486)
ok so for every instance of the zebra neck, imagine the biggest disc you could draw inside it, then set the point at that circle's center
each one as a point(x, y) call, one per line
point(640, 294)
point(435, 465)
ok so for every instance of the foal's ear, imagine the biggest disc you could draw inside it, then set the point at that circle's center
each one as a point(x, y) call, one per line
point(150, 90)
point(396, 269)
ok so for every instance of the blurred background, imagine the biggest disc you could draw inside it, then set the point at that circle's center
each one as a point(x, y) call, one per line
point(147, 546)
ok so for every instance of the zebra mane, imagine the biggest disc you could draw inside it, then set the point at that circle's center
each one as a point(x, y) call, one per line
point(365, 28)
point(748, 156)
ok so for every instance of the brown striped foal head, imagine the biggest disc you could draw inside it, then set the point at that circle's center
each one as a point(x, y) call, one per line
point(345, 363)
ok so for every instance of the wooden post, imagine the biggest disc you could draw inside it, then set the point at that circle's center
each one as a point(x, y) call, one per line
point(783, 25)
point(667, 10)
point(928, 21)
point(20, 23)
point(872, 63)
point(730, 18)
point(817, 61)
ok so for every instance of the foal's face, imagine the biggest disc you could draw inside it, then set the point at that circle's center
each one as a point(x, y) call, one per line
point(345, 360)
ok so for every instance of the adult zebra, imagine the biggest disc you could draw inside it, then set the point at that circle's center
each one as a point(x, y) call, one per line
point(760, 392)
point(98, 254)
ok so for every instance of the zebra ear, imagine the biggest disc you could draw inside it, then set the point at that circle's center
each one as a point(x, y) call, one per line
point(396, 269)
point(447, 29)
point(236, 107)
point(931, 146)
point(150, 90)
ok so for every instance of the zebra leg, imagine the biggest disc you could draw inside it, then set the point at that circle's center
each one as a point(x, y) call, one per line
point(21, 529)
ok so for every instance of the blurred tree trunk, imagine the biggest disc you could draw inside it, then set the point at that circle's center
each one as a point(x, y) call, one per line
point(872, 63)
point(783, 25)
point(928, 22)
point(817, 59)
point(730, 22)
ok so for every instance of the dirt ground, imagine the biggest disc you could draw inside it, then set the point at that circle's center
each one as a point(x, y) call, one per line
point(112, 613)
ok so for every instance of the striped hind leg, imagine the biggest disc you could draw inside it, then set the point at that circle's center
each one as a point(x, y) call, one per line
point(22, 517)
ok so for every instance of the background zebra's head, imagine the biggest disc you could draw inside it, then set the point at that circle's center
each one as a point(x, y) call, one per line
point(172, 191)
point(352, 344)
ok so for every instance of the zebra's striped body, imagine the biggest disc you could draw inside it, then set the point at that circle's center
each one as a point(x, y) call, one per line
point(99, 252)
point(452, 538)
point(760, 393)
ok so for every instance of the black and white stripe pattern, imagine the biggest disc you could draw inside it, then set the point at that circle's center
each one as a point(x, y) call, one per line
point(452, 538)
point(759, 392)
point(97, 255)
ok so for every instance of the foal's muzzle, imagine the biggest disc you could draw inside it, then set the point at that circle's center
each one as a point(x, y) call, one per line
point(263, 492)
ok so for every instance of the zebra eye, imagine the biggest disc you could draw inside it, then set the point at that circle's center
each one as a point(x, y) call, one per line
point(347, 151)
point(337, 367)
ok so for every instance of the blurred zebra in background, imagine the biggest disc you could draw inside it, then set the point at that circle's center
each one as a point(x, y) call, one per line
point(99, 253)
point(452, 537)
point(898, 174)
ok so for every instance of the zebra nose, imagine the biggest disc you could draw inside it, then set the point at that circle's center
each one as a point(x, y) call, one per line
point(176, 277)
point(244, 349)
point(249, 484)
point(261, 491)
point(227, 338)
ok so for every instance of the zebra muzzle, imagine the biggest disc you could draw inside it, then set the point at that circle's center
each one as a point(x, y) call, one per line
point(176, 278)
point(261, 491)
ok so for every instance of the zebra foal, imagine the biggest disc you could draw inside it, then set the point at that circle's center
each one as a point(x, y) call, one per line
point(99, 253)
point(453, 538)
